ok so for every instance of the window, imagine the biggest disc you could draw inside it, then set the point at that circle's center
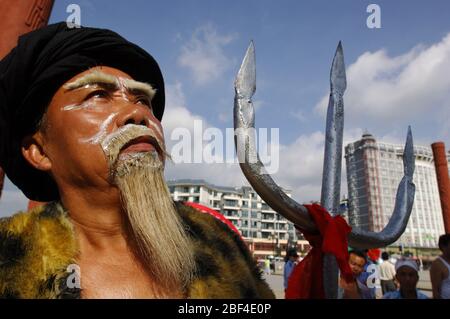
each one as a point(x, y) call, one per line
point(229, 202)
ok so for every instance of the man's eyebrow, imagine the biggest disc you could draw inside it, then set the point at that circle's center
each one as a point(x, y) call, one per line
point(95, 77)
point(136, 86)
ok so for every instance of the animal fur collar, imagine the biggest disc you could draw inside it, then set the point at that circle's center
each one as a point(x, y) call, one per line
point(36, 248)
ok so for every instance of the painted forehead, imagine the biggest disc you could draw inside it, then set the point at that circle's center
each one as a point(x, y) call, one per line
point(97, 77)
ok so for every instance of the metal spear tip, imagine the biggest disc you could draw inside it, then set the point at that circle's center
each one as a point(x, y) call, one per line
point(338, 79)
point(245, 83)
point(408, 155)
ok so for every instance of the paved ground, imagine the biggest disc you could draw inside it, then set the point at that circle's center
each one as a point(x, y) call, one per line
point(276, 283)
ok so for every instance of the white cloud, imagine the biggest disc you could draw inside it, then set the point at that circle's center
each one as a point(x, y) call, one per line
point(176, 113)
point(203, 55)
point(393, 91)
point(301, 167)
point(300, 163)
point(176, 116)
point(299, 115)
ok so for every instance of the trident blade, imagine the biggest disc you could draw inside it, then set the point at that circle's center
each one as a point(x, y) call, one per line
point(338, 79)
point(246, 78)
point(254, 171)
point(408, 160)
point(331, 177)
point(332, 163)
point(403, 206)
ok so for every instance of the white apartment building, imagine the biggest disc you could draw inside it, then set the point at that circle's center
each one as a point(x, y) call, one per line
point(261, 227)
point(374, 170)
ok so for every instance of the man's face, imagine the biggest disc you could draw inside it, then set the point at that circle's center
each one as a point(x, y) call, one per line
point(356, 264)
point(407, 277)
point(445, 250)
point(100, 134)
point(84, 112)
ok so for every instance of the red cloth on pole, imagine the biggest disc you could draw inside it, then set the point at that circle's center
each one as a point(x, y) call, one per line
point(306, 280)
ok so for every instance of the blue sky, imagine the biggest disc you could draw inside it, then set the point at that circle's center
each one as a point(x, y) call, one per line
point(397, 75)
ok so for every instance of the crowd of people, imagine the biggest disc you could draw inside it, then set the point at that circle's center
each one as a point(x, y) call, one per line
point(397, 278)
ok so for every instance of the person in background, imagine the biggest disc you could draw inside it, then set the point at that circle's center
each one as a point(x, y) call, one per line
point(267, 266)
point(387, 274)
point(440, 270)
point(407, 275)
point(356, 289)
point(369, 274)
point(291, 261)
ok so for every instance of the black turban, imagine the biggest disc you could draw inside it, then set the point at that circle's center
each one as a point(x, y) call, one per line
point(32, 73)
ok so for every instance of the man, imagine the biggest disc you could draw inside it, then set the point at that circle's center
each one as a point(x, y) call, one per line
point(407, 277)
point(356, 289)
point(80, 113)
point(387, 274)
point(292, 258)
point(440, 270)
point(267, 266)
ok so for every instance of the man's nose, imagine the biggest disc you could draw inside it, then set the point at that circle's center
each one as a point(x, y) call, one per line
point(133, 114)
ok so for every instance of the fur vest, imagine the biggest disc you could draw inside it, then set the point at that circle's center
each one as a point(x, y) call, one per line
point(36, 248)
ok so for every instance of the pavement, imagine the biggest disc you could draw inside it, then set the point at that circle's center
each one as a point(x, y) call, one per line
point(275, 282)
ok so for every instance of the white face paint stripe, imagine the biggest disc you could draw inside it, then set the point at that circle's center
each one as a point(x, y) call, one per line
point(101, 135)
point(156, 127)
point(123, 89)
point(72, 107)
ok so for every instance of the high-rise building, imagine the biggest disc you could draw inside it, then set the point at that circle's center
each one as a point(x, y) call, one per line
point(266, 232)
point(374, 170)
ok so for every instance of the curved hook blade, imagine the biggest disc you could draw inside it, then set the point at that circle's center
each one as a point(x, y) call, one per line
point(402, 211)
point(245, 83)
point(254, 170)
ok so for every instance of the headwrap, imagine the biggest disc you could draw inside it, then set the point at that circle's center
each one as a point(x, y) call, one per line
point(32, 73)
point(407, 262)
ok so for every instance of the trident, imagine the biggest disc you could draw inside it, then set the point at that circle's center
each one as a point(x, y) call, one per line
point(274, 196)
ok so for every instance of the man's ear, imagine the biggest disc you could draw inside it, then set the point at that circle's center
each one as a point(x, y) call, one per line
point(33, 151)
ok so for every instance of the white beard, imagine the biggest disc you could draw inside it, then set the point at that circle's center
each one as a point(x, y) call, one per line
point(154, 223)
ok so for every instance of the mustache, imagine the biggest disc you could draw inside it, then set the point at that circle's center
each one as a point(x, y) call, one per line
point(113, 143)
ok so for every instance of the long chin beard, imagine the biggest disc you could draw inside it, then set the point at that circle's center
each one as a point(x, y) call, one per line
point(159, 235)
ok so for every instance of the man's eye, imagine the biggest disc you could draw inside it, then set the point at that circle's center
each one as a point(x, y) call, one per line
point(143, 100)
point(99, 94)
